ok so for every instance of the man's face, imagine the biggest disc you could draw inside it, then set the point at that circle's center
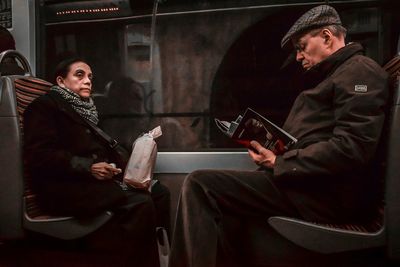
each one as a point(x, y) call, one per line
point(311, 48)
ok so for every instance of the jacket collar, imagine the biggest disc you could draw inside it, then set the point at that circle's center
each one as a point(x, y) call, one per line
point(319, 72)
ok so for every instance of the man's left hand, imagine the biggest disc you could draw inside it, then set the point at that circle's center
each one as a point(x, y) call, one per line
point(264, 157)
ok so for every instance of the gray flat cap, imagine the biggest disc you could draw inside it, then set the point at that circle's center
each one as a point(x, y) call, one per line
point(316, 17)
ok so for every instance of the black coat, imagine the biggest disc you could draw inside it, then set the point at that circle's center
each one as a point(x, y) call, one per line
point(338, 120)
point(59, 148)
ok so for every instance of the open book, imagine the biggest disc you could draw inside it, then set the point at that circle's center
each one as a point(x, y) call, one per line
point(253, 126)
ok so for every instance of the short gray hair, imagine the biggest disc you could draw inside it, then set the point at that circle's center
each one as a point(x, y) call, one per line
point(337, 30)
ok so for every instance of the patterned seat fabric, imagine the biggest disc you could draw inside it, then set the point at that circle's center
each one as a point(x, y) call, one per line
point(393, 68)
point(28, 89)
point(372, 226)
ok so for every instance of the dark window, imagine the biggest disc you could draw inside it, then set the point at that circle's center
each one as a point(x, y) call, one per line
point(201, 65)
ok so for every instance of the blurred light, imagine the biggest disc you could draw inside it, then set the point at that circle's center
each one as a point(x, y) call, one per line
point(86, 11)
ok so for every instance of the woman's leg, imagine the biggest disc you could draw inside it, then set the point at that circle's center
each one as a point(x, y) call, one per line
point(162, 202)
point(130, 235)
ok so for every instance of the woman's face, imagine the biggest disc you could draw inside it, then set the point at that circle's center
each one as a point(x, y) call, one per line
point(78, 79)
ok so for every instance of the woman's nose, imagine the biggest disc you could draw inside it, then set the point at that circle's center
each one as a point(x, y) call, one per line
point(87, 80)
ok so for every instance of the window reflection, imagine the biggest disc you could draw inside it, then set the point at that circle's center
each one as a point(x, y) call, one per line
point(204, 65)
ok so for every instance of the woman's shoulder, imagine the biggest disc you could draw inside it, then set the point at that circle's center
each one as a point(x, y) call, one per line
point(46, 101)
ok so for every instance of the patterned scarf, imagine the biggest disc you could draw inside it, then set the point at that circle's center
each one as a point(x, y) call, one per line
point(86, 109)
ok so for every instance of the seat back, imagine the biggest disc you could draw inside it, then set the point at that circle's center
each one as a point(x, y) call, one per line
point(28, 89)
point(15, 96)
point(11, 176)
point(11, 181)
point(392, 187)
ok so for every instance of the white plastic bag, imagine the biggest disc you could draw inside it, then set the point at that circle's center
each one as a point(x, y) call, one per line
point(139, 170)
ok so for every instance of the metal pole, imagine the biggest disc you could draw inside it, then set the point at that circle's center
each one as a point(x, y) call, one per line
point(148, 105)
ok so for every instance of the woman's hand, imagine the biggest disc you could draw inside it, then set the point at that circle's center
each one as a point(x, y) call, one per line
point(104, 170)
point(264, 157)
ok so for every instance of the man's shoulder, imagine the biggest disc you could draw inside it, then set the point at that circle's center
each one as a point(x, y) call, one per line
point(361, 60)
point(362, 65)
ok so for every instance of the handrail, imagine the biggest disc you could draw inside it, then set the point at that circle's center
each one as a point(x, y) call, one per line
point(19, 56)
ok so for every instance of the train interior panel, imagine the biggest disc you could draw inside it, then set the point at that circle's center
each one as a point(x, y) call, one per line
point(180, 64)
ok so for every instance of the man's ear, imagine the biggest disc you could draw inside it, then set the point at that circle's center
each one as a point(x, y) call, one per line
point(327, 36)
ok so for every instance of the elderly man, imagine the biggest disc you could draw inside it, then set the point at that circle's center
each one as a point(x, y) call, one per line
point(325, 177)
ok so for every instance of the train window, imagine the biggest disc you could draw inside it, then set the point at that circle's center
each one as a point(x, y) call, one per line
point(193, 66)
point(5, 14)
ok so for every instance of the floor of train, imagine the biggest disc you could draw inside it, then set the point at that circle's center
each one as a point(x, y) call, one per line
point(45, 253)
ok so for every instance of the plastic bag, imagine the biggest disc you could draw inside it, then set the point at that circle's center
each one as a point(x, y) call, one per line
point(164, 249)
point(139, 170)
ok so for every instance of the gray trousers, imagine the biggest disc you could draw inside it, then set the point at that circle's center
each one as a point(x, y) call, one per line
point(207, 197)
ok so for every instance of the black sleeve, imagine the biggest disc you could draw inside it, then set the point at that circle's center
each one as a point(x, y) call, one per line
point(43, 149)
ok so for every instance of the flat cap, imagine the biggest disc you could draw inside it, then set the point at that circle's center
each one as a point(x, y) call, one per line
point(316, 17)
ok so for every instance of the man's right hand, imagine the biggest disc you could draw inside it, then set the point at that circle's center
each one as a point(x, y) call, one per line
point(264, 157)
point(104, 171)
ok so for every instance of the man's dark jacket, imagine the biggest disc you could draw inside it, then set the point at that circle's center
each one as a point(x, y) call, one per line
point(59, 148)
point(338, 120)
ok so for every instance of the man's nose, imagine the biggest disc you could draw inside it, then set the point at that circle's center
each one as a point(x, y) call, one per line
point(299, 56)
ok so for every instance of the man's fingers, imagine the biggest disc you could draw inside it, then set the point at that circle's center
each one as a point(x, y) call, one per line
point(254, 155)
point(256, 145)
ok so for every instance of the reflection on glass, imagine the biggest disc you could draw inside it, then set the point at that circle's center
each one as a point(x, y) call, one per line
point(205, 65)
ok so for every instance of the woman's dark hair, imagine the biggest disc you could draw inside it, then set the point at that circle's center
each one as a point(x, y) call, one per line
point(63, 68)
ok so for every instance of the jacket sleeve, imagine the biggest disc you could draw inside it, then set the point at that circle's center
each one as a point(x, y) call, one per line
point(44, 152)
point(359, 117)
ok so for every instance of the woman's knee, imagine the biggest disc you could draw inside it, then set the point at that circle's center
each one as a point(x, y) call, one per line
point(160, 191)
point(139, 202)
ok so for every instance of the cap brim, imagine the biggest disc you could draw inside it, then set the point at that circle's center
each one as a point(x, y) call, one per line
point(291, 58)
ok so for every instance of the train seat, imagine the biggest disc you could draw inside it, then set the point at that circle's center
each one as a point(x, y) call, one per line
point(382, 232)
point(17, 201)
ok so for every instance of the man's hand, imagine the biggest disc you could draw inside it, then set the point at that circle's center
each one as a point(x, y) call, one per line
point(104, 170)
point(264, 157)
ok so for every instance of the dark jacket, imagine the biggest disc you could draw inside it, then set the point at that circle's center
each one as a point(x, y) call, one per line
point(338, 121)
point(59, 148)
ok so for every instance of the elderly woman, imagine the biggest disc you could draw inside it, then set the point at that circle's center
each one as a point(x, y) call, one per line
point(71, 171)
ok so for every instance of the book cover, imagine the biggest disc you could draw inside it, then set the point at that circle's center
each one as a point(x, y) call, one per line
point(253, 126)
